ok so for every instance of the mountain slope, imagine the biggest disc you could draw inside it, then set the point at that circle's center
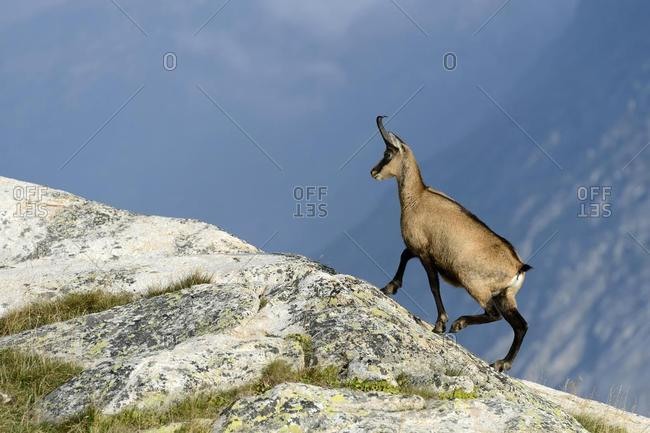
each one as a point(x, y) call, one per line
point(587, 104)
point(386, 367)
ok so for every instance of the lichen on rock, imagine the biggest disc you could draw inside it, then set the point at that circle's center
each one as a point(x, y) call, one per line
point(307, 408)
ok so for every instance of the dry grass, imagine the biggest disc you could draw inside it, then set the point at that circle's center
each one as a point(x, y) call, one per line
point(26, 378)
point(67, 307)
point(597, 424)
point(80, 304)
point(193, 279)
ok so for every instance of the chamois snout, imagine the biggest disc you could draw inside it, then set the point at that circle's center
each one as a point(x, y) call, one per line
point(383, 170)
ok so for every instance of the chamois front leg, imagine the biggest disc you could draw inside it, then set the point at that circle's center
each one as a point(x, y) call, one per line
point(434, 283)
point(392, 287)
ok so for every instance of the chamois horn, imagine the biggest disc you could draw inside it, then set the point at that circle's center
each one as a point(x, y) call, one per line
point(382, 130)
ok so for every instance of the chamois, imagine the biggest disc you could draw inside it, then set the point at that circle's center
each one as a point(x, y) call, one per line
point(453, 243)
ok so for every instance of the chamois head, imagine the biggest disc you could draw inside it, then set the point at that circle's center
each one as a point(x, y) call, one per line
point(391, 164)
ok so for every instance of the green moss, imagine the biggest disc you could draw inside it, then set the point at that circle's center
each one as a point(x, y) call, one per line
point(457, 394)
point(596, 424)
point(193, 279)
point(328, 377)
point(371, 385)
point(58, 310)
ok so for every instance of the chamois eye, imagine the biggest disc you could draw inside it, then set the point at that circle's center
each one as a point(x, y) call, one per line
point(387, 155)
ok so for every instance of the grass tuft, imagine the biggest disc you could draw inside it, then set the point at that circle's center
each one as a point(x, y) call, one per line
point(263, 303)
point(372, 385)
point(275, 373)
point(64, 308)
point(193, 279)
point(596, 424)
point(26, 378)
point(74, 305)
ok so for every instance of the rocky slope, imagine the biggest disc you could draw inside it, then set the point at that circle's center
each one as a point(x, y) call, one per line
point(154, 351)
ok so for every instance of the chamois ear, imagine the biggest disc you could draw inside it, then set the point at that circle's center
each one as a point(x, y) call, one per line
point(392, 141)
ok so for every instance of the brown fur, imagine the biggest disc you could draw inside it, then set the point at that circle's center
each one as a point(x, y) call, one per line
point(452, 242)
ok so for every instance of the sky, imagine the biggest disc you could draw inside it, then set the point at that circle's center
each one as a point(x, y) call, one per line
point(232, 111)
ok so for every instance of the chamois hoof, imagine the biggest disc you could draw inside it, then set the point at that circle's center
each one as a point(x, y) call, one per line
point(501, 365)
point(391, 288)
point(458, 325)
point(439, 327)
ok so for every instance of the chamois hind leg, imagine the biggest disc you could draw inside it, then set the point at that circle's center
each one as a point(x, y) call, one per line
point(507, 306)
point(491, 315)
point(434, 283)
point(392, 287)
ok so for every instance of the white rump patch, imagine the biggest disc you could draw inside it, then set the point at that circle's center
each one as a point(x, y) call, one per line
point(516, 282)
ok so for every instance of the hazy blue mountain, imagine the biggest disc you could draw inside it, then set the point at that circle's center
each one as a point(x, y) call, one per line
point(585, 102)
